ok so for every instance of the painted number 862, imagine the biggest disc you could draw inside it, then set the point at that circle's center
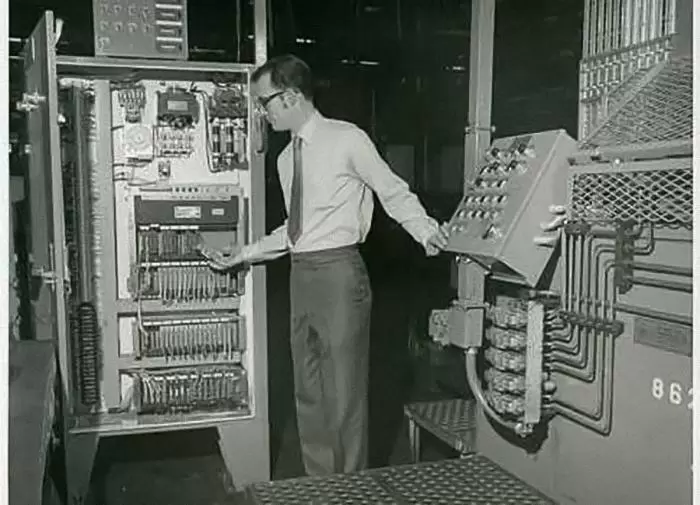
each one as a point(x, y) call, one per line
point(672, 392)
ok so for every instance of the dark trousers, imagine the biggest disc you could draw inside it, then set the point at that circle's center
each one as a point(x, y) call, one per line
point(331, 301)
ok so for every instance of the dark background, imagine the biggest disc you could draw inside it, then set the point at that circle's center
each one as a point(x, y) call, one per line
point(413, 92)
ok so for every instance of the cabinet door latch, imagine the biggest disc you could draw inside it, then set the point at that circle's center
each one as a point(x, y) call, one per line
point(30, 102)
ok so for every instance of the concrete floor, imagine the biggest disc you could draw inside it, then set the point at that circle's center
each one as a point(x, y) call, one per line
point(185, 468)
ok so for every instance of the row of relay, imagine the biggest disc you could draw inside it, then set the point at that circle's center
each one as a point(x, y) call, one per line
point(506, 355)
point(188, 283)
point(224, 340)
point(178, 111)
point(208, 389)
point(226, 143)
point(180, 107)
point(169, 245)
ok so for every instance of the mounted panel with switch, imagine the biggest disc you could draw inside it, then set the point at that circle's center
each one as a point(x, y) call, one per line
point(503, 206)
point(146, 29)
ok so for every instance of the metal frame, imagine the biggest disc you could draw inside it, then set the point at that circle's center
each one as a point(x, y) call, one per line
point(478, 131)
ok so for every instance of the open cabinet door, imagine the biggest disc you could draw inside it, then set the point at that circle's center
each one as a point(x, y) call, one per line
point(47, 243)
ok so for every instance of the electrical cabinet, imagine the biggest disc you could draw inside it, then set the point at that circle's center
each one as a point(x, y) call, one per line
point(134, 165)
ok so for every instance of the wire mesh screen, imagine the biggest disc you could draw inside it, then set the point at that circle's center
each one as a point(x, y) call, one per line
point(659, 110)
point(620, 38)
point(633, 84)
point(609, 25)
point(597, 99)
point(659, 197)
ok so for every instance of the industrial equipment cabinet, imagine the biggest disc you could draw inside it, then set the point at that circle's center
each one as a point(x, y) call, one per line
point(615, 418)
point(134, 164)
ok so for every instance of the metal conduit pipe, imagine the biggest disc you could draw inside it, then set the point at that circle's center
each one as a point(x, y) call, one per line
point(594, 358)
point(653, 314)
point(564, 350)
point(583, 369)
point(586, 369)
point(600, 420)
point(589, 372)
point(564, 345)
point(661, 284)
point(579, 349)
point(477, 390)
point(569, 267)
point(659, 269)
point(599, 251)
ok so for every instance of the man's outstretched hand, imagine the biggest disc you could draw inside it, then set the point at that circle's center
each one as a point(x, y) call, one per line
point(558, 220)
point(437, 242)
point(224, 259)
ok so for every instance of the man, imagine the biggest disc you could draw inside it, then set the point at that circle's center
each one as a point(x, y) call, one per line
point(328, 173)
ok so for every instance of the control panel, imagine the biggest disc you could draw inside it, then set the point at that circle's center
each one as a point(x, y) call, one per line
point(507, 200)
point(141, 28)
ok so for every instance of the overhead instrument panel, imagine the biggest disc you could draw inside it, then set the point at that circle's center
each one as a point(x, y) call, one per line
point(141, 28)
point(503, 206)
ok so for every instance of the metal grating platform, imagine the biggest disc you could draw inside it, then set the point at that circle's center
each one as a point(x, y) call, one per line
point(352, 489)
point(452, 421)
point(472, 480)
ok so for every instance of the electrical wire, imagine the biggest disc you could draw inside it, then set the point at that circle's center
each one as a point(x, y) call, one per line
point(477, 390)
point(205, 118)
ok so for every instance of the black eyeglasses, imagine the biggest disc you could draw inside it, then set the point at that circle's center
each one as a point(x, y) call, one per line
point(264, 101)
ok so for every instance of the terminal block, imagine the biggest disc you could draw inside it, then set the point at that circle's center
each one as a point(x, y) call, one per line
point(516, 382)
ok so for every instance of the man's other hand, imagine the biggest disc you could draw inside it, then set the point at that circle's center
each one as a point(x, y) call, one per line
point(558, 220)
point(437, 242)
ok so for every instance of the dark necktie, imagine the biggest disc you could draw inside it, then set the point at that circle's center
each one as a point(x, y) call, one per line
point(294, 222)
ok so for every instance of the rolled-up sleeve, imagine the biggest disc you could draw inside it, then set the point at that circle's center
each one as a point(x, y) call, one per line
point(269, 247)
point(393, 192)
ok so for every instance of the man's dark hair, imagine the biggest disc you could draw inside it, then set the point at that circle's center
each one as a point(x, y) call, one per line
point(287, 72)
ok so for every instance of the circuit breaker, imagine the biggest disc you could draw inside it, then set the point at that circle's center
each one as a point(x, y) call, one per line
point(147, 165)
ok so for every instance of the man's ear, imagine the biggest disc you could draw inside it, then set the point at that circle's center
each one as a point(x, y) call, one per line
point(291, 98)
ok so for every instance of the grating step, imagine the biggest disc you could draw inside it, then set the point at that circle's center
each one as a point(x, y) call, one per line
point(452, 421)
point(352, 489)
point(473, 480)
